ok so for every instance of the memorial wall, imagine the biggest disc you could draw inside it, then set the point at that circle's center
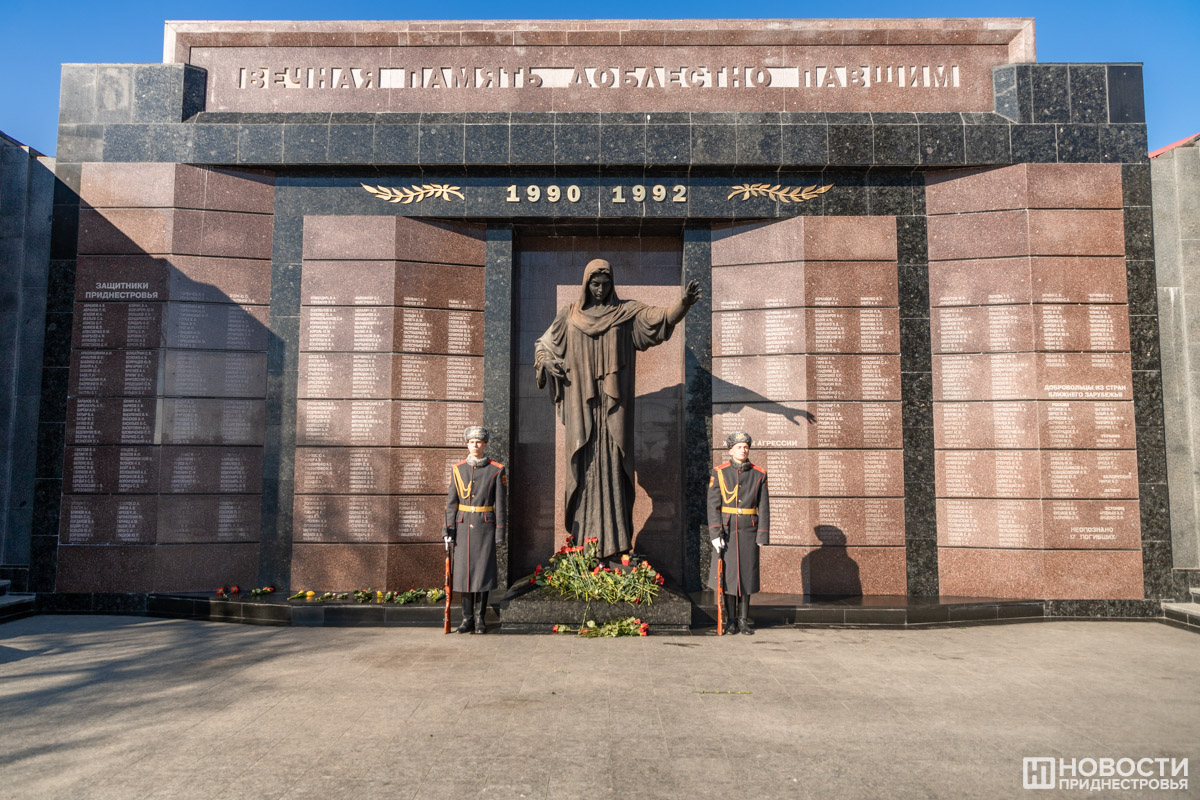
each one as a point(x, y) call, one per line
point(306, 255)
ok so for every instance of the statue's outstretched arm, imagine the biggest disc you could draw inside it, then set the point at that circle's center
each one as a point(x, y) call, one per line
point(691, 296)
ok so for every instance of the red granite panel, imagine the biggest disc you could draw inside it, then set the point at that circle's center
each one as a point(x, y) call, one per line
point(439, 242)
point(1074, 233)
point(990, 522)
point(220, 280)
point(338, 567)
point(121, 278)
point(1086, 424)
point(138, 185)
point(1094, 575)
point(1065, 279)
point(126, 231)
point(438, 285)
point(421, 330)
point(201, 519)
point(849, 283)
point(842, 377)
point(110, 469)
point(1092, 524)
point(235, 234)
point(984, 425)
point(1084, 376)
point(437, 377)
point(1074, 185)
point(833, 570)
point(105, 373)
point(1083, 327)
point(354, 238)
point(760, 378)
point(971, 572)
point(1090, 473)
point(487, 38)
point(111, 420)
point(348, 283)
point(423, 470)
point(210, 470)
point(987, 376)
point(343, 422)
point(984, 235)
point(818, 424)
point(963, 191)
point(957, 283)
point(415, 566)
point(858, 521)
point(419, 423)
point(204, 421)
point(758, 242)
point(187, 232)
point(417, 518)
point(988, 473)
point(205, 373)
point(982, 329)
point(341, 518)
point(108, 519)
point(849, 238)
point(340, 328)
point(105, 569)
point(750, 286)
point(223, 326)
point(345, 375)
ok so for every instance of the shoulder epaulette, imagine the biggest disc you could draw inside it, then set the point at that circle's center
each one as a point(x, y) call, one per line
point(459, 464)
point(496, 464)
point(722, 466)
point(760, 469)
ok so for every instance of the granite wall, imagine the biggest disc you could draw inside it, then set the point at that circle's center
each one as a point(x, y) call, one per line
point(26, 192)
point(928, 212)
point(1176, 181)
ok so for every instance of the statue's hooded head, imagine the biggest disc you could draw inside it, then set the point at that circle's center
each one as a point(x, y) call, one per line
point(597, 287)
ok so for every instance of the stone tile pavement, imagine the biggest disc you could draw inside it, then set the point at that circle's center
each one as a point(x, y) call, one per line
point(124, 707)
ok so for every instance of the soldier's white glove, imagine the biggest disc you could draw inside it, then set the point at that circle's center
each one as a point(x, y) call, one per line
point(718, 544)
point(449, 540)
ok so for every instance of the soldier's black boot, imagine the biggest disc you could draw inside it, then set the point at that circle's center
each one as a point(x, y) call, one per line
point(744, 615)
point(730, 602)
point(468, 614)
point(480, 611)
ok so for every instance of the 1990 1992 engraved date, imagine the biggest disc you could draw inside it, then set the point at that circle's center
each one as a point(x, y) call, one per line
point(637, 193)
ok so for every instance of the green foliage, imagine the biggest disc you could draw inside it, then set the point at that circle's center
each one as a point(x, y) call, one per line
point(576, 572)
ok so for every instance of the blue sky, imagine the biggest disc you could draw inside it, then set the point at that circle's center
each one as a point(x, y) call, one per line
point(39, 36)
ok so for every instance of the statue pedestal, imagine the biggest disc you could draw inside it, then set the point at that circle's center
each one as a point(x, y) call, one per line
point(540, 608)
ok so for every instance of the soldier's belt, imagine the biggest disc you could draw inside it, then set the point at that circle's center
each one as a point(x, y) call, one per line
point(480, 509)
point(750, 511)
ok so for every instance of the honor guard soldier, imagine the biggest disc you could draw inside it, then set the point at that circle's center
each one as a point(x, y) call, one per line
point(475, 524)
point(739, 522)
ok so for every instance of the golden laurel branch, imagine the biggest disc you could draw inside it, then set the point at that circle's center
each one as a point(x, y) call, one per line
point(415, 193)
point(789, 194)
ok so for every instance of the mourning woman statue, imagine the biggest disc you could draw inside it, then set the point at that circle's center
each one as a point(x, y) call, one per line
point(587, 356)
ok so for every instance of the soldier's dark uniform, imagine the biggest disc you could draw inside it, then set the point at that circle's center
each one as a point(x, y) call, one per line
point(739, 513)
point(475, 519)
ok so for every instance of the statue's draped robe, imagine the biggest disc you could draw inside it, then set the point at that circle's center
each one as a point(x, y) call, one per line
point(598, 345)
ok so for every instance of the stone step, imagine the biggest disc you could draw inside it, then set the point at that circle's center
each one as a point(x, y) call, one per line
point(1195, 593)
point(15, 606)
point(4, 585)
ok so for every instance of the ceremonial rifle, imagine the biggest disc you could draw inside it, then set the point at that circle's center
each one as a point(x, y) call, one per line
point(721, 592)
point(446, 613)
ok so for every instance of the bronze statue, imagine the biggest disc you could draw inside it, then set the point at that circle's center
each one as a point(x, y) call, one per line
point(588, 355)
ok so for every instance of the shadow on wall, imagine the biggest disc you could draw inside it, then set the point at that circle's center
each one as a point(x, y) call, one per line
point(166, 406)
point(828, 571)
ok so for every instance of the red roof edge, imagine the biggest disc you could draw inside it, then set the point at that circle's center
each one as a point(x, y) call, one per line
point(1183, 141)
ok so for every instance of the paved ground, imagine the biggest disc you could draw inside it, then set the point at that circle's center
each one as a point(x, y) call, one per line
point(126, 707)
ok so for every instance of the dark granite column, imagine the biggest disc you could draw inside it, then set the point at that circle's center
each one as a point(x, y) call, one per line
point(498, 354)
point(916, 382)
point(1145, 359)
point(697, 401)
point(275, 555)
